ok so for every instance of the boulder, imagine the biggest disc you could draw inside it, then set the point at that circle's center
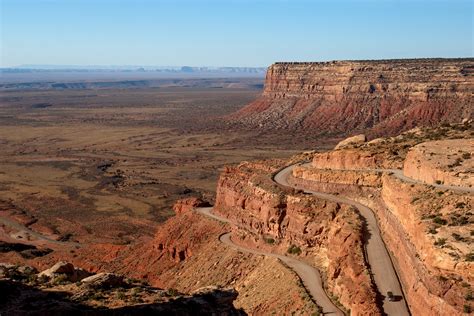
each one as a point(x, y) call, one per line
point(354, 140)
point(65, 268)
point(187, 205)
point(376, 141)
point(104, 281)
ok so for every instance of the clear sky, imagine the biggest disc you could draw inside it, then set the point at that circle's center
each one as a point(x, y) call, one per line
point(230, 32)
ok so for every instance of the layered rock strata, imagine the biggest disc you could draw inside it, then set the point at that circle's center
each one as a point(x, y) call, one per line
point(380, 97)
point(427, 229)
point(288, 221)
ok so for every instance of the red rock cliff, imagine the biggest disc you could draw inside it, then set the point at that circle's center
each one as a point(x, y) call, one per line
point(378, 97)
point(277, 219)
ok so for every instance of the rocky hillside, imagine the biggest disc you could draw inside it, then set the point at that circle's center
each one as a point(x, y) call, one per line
point(65, 289)
point(379, 97)
point(184, 257)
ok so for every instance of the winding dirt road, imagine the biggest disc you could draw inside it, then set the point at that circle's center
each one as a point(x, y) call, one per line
point(309, 275)
point(400, 175)
point(381, 266)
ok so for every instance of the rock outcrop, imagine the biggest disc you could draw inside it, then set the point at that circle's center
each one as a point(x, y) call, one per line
point(379, 97)
point(25, 293)
point(186, 205)
point(353, 140)
point(104, 280)
point(66, 269)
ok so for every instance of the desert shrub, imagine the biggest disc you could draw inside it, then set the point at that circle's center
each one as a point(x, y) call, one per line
point(432, 230)
point(33, 278)
point(440, 242)
point(294, 250)
point(458, 220)
point(270, 241)
point(442, 278)
point(60, 279)
point(136, 290)
point(97, 296)
point(172, 292)
point(470, 257)
point(467, 309)
point(468, 296)
point(42, 279)
point(440, 221)
point(457, 237)
point(121, 294)
point(460, 205)
point(466, 155)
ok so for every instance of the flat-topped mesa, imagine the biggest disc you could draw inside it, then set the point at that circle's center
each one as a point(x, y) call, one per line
point(379, 97)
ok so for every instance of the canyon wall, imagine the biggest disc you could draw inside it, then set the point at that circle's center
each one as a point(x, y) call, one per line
point(267, 216)
point(348, 177)
point(379, 97)
point(425, 228)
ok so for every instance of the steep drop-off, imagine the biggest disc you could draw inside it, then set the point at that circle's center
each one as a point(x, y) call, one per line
point(379, 97)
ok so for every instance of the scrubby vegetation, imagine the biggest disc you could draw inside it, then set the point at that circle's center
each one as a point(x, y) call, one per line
point(294, 250)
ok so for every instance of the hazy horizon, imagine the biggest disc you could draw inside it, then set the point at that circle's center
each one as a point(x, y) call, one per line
point(177, 67)
point(224, 33)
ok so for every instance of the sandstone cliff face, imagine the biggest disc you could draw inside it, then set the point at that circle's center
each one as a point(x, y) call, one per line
point(436, 279)
point(380, 97)
point(268, 217)
point(427, 229)
point(348, 177)
point(432, 275)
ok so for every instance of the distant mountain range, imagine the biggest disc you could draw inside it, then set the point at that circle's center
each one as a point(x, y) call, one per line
point(112, 68)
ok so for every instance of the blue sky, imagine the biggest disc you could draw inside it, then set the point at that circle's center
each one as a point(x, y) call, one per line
point(230, 33)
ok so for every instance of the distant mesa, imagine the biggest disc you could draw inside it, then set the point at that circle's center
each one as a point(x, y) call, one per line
point(187, 69)
point(382, 97)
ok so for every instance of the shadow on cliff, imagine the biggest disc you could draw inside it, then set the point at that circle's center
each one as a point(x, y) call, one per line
point(20, 299)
